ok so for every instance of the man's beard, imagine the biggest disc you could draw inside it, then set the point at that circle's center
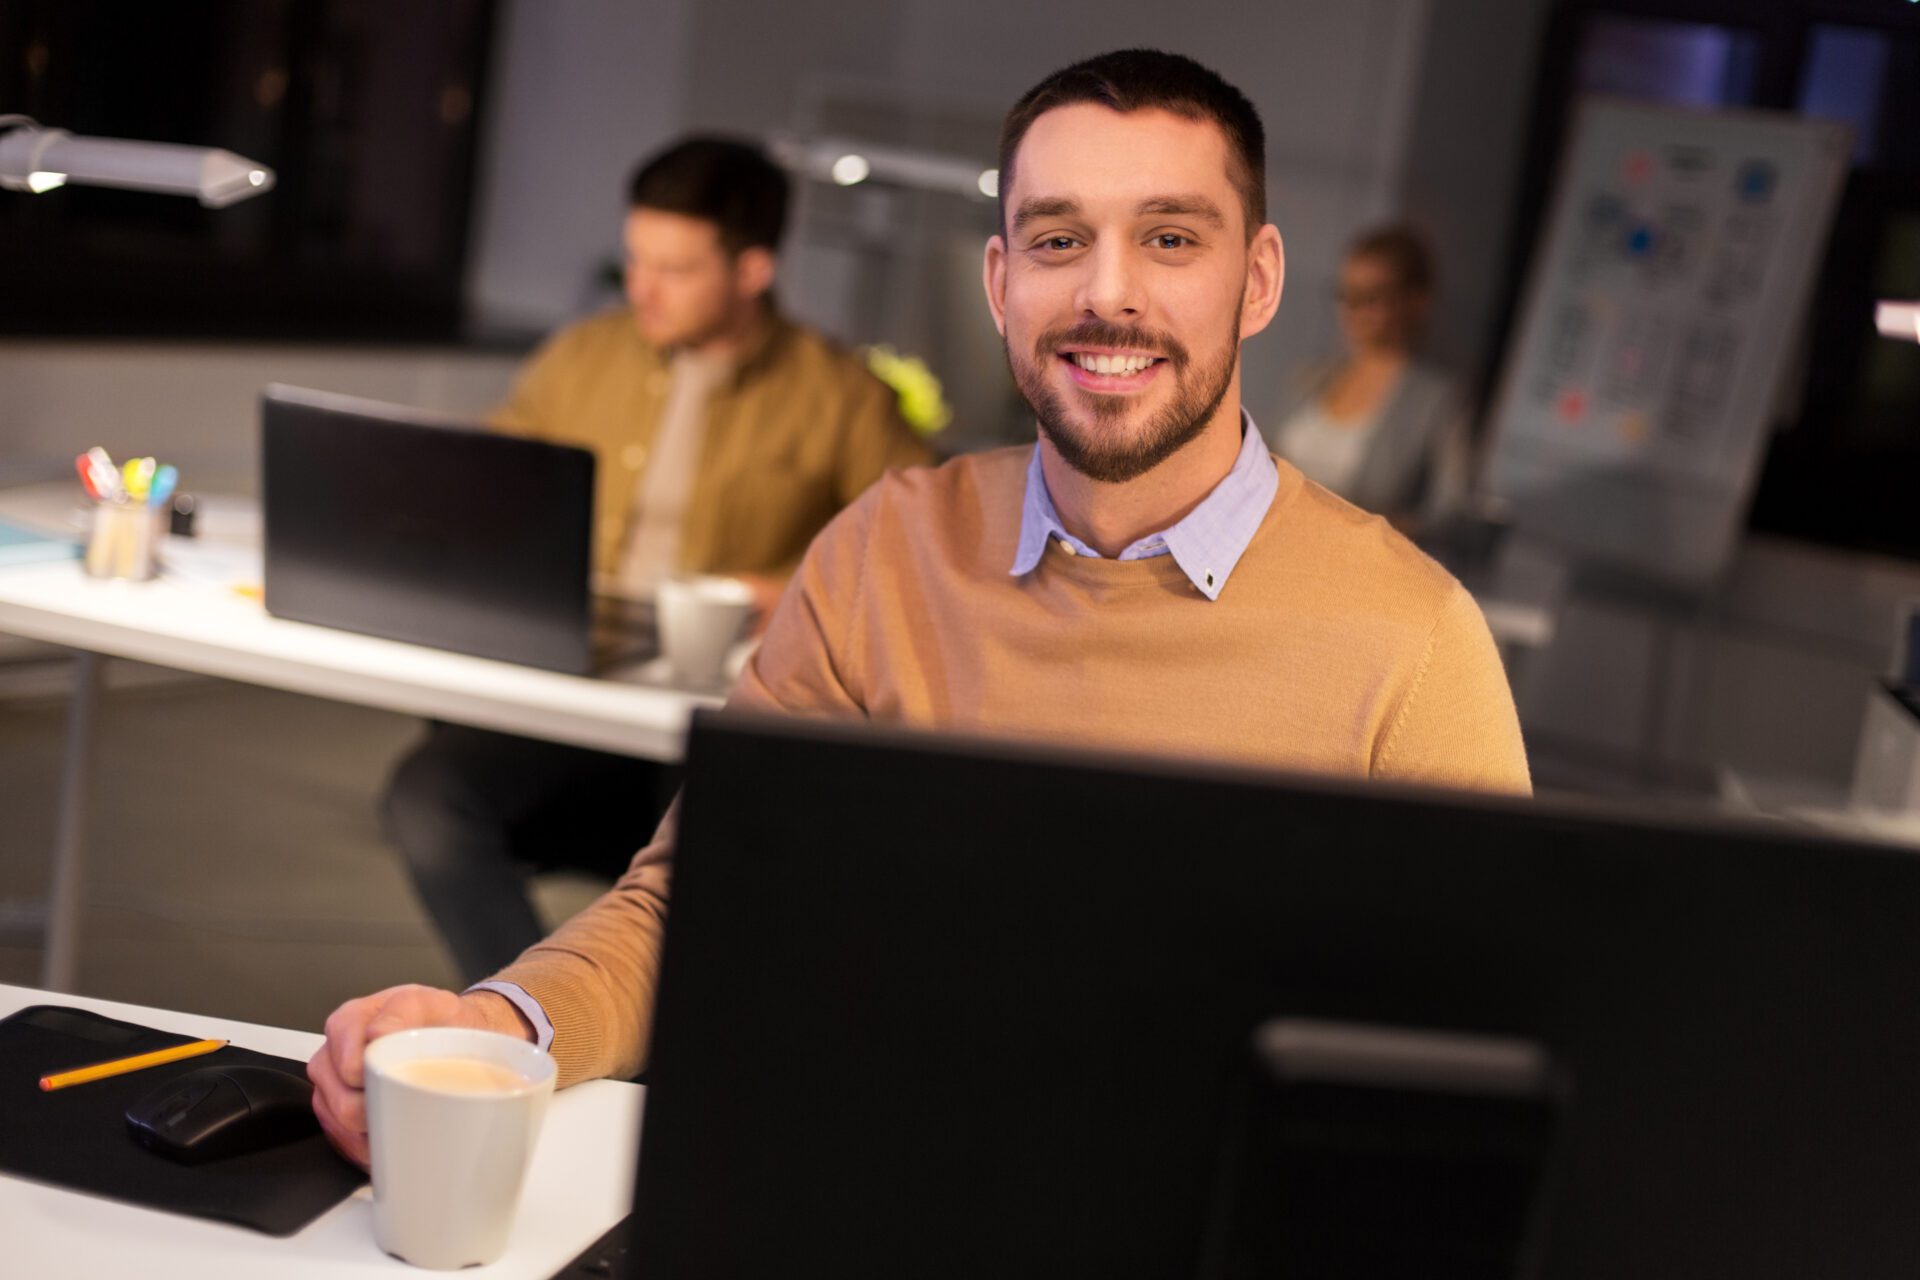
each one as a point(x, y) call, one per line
point(1108, 457)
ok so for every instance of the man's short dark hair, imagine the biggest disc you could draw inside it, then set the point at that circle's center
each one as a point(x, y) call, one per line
point(1134, 80)
point(729, 183)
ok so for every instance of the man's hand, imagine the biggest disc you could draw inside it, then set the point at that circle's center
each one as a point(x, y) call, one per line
point(338, 1068)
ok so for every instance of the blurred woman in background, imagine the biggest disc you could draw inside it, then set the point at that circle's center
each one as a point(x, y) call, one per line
point(1380, 427)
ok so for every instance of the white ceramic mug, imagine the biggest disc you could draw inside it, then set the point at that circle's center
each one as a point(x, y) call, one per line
point(448, 1165)
point(700, 618)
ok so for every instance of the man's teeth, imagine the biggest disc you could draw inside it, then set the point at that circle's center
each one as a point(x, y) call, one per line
point(1119, 366)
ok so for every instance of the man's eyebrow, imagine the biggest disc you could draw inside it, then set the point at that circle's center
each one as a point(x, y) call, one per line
point(1184, 206)
point(1036, 207)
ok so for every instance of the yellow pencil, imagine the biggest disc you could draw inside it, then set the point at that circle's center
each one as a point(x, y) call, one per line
point(120, 1066)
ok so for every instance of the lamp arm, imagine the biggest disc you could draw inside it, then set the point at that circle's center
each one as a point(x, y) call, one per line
point(37, 159)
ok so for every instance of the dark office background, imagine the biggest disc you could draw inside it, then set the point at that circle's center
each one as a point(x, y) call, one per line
point(370, 114)
point(367, 111)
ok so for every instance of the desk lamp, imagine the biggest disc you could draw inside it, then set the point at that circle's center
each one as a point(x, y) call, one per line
point(37, 159)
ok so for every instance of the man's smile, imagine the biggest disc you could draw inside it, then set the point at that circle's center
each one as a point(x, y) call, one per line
point(1111, 371)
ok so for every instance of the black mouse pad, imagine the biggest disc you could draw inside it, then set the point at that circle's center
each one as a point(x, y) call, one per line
point(77, 1137)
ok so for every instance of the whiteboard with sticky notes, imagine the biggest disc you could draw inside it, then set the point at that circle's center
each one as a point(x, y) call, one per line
point(1660, 328)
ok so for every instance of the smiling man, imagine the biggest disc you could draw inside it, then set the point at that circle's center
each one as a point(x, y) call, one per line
point(1145, 577)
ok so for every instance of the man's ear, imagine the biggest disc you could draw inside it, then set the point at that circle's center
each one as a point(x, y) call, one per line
point(993, 275)
point(1266, 276)
point(753, 271)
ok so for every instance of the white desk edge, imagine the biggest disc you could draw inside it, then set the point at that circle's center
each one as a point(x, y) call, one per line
point(218, 633)
point(581, 1184)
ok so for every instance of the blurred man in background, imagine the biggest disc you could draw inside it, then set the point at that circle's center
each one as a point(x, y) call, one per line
point(725, 437)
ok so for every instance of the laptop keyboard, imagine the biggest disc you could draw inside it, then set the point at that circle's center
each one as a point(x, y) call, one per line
point(623, 633)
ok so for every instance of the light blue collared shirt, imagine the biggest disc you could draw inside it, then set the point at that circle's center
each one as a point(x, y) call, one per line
point(1207, 543)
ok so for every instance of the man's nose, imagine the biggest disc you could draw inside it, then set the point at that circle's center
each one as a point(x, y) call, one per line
point(1112, 287)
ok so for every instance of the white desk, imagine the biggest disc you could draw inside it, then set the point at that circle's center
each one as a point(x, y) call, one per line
point(215, 631)
point(581, 1184)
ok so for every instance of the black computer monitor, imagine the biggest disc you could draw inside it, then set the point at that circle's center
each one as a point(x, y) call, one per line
point(934, 1007)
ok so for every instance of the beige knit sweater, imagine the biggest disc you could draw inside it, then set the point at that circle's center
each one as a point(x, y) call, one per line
point(1334, 647)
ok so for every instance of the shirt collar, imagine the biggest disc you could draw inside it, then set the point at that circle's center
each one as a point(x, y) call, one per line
point(1207, 543)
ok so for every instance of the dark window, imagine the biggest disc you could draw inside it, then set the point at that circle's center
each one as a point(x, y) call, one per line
point(1684, 64)
point(1846, 79)
point(1843, 468)
point(365, 109)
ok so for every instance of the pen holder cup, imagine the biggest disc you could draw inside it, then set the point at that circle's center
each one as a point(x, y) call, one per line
point(125, 541)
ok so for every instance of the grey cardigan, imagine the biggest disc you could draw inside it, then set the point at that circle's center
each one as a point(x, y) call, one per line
point(1418, 459)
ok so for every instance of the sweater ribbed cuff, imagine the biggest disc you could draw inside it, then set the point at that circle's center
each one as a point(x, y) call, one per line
point(578, 1044)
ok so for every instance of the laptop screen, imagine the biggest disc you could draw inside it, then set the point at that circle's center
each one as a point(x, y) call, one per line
point(388, 522)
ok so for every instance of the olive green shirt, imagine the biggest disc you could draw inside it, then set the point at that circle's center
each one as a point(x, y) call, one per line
point(796, 432)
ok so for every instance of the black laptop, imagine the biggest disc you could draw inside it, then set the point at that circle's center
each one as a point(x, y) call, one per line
point(392, 522)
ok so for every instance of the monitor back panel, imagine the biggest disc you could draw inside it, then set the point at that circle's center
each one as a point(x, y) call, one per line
point(943, 1010)
point(447, 536)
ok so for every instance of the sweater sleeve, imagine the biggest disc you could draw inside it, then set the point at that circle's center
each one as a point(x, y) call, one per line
point(595, 975)
point(1455, 725)
point(807, 664)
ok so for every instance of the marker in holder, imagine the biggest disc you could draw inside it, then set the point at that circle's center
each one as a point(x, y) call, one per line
point(130, 508)
point(125, 541)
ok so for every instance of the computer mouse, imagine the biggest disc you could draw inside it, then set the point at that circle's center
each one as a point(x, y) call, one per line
point(217, 1112)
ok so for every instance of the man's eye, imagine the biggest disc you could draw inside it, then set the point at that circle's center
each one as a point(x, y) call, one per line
point(1058, 243)
point(1170, 240)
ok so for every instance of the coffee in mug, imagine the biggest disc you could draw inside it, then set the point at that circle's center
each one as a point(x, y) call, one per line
point(460, 1075)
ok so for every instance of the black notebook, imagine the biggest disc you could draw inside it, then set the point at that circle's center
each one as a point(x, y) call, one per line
point(77, 1137)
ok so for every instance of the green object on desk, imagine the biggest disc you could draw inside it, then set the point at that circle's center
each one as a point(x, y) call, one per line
point(25, 546)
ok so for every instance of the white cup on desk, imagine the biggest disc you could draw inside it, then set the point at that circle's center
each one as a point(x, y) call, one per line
point(700, 617)
point(452, 1115)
